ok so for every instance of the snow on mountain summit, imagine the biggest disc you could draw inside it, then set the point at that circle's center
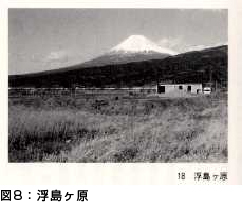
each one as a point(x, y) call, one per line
point(139, 43)
point(136, 48)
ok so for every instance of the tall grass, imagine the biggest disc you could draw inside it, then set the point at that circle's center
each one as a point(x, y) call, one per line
point(176, 130)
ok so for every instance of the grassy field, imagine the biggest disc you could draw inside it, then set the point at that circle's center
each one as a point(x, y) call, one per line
point(118, 129)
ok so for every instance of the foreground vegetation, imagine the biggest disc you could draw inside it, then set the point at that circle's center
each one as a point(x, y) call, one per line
point(119, 130)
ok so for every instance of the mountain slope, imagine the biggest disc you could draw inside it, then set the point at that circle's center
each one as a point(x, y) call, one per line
point(192, 67)
point(136, 48)
point(121, 58)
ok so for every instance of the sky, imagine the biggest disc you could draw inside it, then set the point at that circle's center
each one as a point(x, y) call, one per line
point(42, 39)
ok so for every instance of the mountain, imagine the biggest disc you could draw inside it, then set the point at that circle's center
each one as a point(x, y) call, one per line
point(140, 44)
point(123, 58)
point(135, 48)
point(208, 65)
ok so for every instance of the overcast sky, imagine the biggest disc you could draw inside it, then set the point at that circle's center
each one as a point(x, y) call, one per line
point(41, 39)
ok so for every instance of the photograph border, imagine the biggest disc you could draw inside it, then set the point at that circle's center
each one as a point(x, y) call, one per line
point(129, 173)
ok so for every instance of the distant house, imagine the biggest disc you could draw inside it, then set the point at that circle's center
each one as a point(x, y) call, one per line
point(179, 89)
point(207, 90)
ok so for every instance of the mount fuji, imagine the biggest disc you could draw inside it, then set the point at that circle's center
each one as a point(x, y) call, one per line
point(136, 48)
point(139, 44)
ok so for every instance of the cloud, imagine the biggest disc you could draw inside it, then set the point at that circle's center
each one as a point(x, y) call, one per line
point(195, 48)
point(169, 42)
point(57, 55)
point(56, 58)
point(178, 45)
point(201, 47)
point(173, 44)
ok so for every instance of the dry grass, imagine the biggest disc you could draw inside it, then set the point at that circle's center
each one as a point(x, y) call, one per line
point(177, 130)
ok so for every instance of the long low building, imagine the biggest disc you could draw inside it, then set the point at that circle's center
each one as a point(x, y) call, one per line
point(179, 89)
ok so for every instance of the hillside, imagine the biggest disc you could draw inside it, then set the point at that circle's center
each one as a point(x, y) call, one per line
point(191, 67)
point(136, 48)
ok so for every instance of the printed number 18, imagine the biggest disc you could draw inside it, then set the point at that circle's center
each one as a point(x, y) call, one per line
point(181, 176)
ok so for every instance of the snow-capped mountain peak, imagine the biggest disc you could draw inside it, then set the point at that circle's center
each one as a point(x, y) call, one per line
point(139, 44)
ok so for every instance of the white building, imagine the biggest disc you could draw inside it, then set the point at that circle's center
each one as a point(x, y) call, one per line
point(207, 90)
point(179, 89)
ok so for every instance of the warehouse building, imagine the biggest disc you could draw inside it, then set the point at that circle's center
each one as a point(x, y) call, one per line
point(179, 89)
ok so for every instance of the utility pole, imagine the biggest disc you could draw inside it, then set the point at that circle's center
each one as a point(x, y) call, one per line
point(210, 74)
